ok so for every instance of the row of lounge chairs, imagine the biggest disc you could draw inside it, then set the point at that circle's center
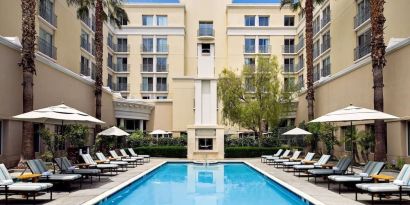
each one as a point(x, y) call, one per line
point(337, 174)
point(69, 173)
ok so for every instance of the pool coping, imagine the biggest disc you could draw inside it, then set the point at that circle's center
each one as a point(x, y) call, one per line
point(112, 191)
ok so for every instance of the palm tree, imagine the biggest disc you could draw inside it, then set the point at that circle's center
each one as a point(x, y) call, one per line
point(28, 8)
point(378, 62)
point(112, 11)
point(308, 10)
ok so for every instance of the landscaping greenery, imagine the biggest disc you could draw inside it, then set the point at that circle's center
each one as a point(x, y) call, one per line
point(244, 152)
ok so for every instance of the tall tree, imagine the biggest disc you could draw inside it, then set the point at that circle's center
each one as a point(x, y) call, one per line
point(105, 10)
point(378, 62)
point(307, 9)
point(28, 8)
point(254, 99)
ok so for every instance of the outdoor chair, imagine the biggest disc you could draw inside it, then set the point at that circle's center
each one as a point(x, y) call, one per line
point(277, 154)
point(270, 160)
point(102, 166)
point(123, 164)
point(9, 187)
point(133, 154)
point(339, 169)
point(286, 165)
point(122, 158)
point(137, 158)
point(306, 165)
point(295, 156)
point(66, 167)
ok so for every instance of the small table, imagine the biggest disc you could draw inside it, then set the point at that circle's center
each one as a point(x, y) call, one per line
point(382, 178)
point(327, 166)
point(296, 160)
point(308, 162)
point(83, 166)
point(27, 177)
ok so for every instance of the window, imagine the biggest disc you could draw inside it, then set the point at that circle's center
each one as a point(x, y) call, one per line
point(146, 97)
point(316, 49)
point(288, 83)
point(132, 124)
point(249, 20)
point(263, 20)
point(249, 45)
point(45, 44)
point(161, 97)
point(109, 61)
point(326, 16)
point(316, 25)
point(249, 84)
point(147, 64)
point(289, 46)
point(264, 46)
point(161, 64)
point(36, 138)
point(206, 48)
point(46, 11)
point(161, 84)
point(162, 20)
point(301, 83)
point(147, 84)
point(205, 144)
point(326, 67)
point(85, 69)
point(109, 81)
point(363, 13)
point(147, 20)
point(162, 45)
point(93, 71)
point(288, 65)
point(147, 44)
point(250, 63)
point(122, 83)
point(363, 47)
point(326, 41)
point(122, 45)
point(123, 22)
point(301, 62)
point(85, 41)
point(122, 64)
point(206, 29)
point(1, 137)
point(316, 72)
point(289, 20)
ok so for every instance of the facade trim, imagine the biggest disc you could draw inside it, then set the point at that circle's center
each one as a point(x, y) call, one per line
point(268, 31)
point(150, 30)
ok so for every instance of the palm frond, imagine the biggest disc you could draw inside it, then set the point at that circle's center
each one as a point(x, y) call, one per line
point(293, 4)
point(115, 13)
point(82, 11)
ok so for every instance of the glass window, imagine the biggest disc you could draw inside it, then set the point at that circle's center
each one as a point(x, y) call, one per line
point(289, 20)
point(263, 45)
point(145, 97)
point(263, 20)
point(206, 29)
point(205, 144)
point(36, 139)
point(161, 84)
point(206, 48)
point(147, 64)
point(147, 20)
point(162, 20)
point(301, 83)
point(148, 44)
point(249, 20)
point(147, 83)
point(162, 45)
point(161, 64)
point(249, 45)
point(161, 97)
point(109, 81)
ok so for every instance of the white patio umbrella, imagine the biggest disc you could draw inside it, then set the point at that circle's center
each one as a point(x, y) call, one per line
point(297, 131)
point(353, 113)
point(113, 131)
point(158, 132)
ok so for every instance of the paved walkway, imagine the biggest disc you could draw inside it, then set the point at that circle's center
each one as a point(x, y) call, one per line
point(89, 191)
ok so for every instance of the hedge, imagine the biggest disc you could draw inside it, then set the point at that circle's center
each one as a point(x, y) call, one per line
point(245, 152)
point(163, 151)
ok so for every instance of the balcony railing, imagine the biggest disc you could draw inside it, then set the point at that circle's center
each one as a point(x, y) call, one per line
point(316, 28)
point(360, 18)
point(93, 71)
point(121, 87)
point(48, 15)
point(325, 20)
point(288, 49)
point(325, 70)
point(147, 48)
point(361, 51)
point(316, 76)
point(316, 52)
point(86, 20)
point(85, 45)
point(85, 69)
point(121, 67)
point(147, 87)
point(249, 49)
point(162, 68)
point(299, 66)
point(206, 32)
point(288, 68)
point(162, 48)
point(147, 68)
point(264, 49)
point(162, 87)
point(325, 46)
point(251, 67)
point(47, 48)
point(300, 45)
point(122, 48)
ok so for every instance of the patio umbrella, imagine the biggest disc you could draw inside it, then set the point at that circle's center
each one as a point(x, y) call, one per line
point(113, 131)
point(353, 113)
point(296, 132)
point(158, 132)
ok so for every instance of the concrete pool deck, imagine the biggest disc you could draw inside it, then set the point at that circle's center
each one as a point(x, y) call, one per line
point(318, 191)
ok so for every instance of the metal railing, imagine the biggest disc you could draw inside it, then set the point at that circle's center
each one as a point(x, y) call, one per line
point(162, 87)
point(147, 48)
point(288, 48)
point(325, 70)
point(206, 32)
point(147, 87)
point(85, 45)
point(316, 28)
point(360, 18)
point(249, 48)
point(123, 48)
point(162, 68)
point(121, 87)
point(264, 48)
point(361, 51)
point(288, 68)
point(48, 15)
point(299, 66)
point(325, 20)
point(147, 67)
point(47, 48)
point(121, 67)
point(162, 48)
point(325, 46)
point(316, 52)
point(300, 45)
point(85, 69)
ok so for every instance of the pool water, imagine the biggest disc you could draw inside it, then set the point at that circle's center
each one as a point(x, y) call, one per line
point(190, 184)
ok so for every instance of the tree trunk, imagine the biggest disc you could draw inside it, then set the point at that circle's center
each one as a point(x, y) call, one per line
point(378, 62)
point(28, 64)
point(99, 61)
point(310, 95)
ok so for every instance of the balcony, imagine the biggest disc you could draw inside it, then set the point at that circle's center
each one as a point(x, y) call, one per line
point(147, 87)
point(121, 87)
point(325, 46)
point(162, 68)
point(316, 52)
point(325, 20)
point(288, 68)
point(47, 48)
point(206, 33)
point(162, 87)
point(85, 45)
point(361, 51)
point(249, 49)
point(121, 67)
point(326, 70)
point(300, 45)
point(48, 15)
point(264, 49)
point(288, 48)
point(147, 68)
point(360, 18)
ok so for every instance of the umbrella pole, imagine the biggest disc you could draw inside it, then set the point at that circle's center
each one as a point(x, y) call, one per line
point(351, 142)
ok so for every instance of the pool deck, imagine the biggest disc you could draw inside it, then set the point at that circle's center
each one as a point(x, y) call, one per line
point(318, 191)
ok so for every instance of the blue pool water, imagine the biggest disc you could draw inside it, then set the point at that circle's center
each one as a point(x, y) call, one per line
point(189, 184)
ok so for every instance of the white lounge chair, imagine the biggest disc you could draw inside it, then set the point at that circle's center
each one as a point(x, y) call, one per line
point(277, 154)
point(137, 158)
point(309, 157)
point(295, 156)
point(9, 187)
point(133, 154)
point(67, 168)
point(123, 164)
point(339, 169)
point(304, 167)
point(103, 167)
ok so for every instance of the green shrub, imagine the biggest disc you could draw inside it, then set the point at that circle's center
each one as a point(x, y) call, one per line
point(244, 152)
point(163, 151)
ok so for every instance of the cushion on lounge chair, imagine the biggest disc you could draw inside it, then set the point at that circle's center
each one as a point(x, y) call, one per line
point(291, 163)
point(6, 179)
point(62, 177)
point(341, 178)
point(304, 166)
point(137, 155)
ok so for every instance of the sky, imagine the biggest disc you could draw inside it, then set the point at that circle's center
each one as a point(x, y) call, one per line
point(177, 1)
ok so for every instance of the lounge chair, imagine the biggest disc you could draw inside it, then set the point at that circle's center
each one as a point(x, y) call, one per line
point(123, 164)
point(9, 187)
point(305, 166)
point(133, 154)
point(339, 169)
point(277, 154)
point(400, 186)
point(103, 167)
point(295, 156)
point(67, 168)
point(37, 166)
point(126, 156)
point(309, 157)
point(270, 160)
point(371, 168)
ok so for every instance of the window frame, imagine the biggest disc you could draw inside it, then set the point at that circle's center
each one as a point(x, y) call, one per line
point(250, 20)
point(263, 17)
point(145, 22)
point(289, 19)
point(161, 17)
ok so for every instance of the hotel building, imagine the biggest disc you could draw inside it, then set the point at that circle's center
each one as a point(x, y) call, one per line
point(159, 67)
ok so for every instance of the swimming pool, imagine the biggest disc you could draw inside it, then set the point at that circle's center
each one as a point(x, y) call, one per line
point(190, 184)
